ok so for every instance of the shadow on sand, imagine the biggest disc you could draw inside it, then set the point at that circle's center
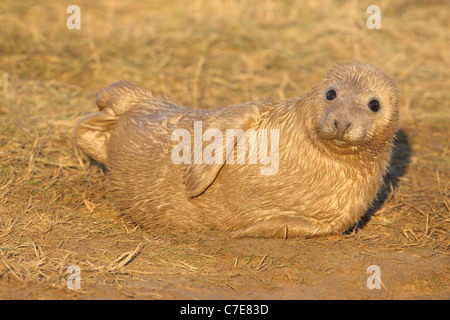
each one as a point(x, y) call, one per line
point(399, 162)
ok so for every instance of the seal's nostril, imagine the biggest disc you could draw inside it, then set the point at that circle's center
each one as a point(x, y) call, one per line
point(341, 127)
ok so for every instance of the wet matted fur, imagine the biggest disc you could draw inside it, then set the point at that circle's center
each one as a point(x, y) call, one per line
point(334, 149)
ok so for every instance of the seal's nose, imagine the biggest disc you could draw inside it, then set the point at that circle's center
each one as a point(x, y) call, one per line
point(341, 127)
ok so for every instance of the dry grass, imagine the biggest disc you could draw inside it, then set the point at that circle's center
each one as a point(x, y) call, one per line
point(53, 209)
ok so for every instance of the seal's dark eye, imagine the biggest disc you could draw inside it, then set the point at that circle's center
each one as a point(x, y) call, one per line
point(374, 105)
point(331, 95)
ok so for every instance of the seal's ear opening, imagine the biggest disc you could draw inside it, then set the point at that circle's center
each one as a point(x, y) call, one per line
point(92, 134)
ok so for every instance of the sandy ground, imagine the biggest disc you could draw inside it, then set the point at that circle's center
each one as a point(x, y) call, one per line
point(54, 209)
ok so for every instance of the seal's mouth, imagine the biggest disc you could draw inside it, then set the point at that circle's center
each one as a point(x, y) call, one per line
point(339, 143)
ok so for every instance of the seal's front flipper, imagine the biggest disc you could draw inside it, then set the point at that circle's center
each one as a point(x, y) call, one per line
point(283, 227)
point(199, 176)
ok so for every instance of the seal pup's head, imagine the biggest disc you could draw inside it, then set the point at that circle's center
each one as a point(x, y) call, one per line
point(356, 108)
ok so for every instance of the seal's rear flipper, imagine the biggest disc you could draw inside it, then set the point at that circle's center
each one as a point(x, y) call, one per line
point(92, 132)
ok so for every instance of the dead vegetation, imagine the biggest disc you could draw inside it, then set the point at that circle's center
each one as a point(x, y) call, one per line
point(53, 206)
